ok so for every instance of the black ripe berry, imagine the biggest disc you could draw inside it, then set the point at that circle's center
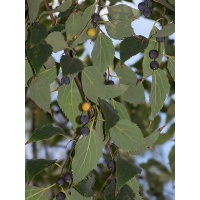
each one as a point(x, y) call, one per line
point(153, 54)
point(142, 6)
point(84, 119)
point(154, 65)
point(111, 165)
point(68, 176)
point(60, 196)
point(85, 131)
point(60, 181)
point(65, 80)
point(147, 12)
point(110, 82)
point(95, 17)
point(160, 39)
point(149, 3)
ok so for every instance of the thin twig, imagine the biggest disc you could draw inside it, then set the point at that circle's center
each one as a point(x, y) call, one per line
point(109, 150)
point(105, 183)
point(51, 15)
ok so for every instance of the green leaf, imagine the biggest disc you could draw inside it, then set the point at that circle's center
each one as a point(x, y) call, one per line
point(167, 30)
point(28, 72)
point(82, 37)
point(39, 92)
point(172, 161)
point(163, 2)
point(70, 65)
point(127, 136)
point(121, 12)
point(103, 52)
point(73, 25)
point(171, 66)
point(148, 142)
point(125, 171)
point(77, 196)
point(33, 8)
point(147, 71)
point(49, 63)
point(109, 192)
point(35, 193)
point(159, 90)
point(110, 114)
point(134, 94)
point(49, 74)
point(56, 40)
point(64, 6)
point(38, 33)
point(119, 29)
point(35, 166)
point(151, 139)
point(112, 91)
point(126, 75)
point(45, 133)
point(93, 83)
point(87, 15)
point(38, 55)
point(122, 112)
point(126, 193)
point(87, 154)
point(171, 2)
point(99, 126)
point(136, 13)
point(135, 186)
point(85, 187)
point(69, 100)
point(131, 46)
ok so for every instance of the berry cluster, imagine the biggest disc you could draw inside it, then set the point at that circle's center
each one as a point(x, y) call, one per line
point(145, 7)
point(68, 177)
point(153, 54)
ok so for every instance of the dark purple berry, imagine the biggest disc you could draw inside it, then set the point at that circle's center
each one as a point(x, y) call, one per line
point(60, 196)
point(153, 54)
point(84, 119)
point(110, 82)
point(60, 181)
point(147, 12)
point(154, 65)
point(95, 17)
point(65, 80)
point(142, 6)
point(170, 41)
point(149, 3)
point(68, 176)
point(160, 39)
point(111, 165)
point(85, 131)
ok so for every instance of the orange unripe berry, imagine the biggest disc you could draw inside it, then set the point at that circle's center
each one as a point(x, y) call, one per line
point(91, 32)
point(86, 106)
